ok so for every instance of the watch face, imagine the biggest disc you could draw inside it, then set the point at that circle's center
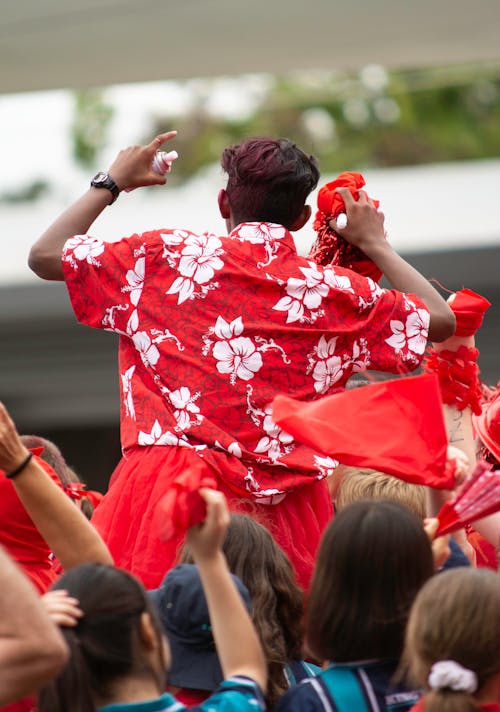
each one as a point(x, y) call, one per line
point(101, 177)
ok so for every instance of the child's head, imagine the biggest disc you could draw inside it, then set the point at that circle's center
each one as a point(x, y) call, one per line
point(456, 617)
point(118, 637)
point(373, 558)
point(277, 602)
point(361, 483)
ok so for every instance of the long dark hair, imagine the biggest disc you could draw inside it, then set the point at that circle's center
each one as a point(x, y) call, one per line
point(373, 558)
point(105, 645)
point(277, 601)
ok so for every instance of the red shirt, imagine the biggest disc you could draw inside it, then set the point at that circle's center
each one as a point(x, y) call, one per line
point(212, 328)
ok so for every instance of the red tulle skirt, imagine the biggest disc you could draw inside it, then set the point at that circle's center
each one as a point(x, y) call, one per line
point(126, 516)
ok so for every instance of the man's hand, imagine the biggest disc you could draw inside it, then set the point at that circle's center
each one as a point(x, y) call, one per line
point(132, 168)
point(365, 224)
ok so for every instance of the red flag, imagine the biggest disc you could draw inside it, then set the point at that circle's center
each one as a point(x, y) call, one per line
point(395, 427)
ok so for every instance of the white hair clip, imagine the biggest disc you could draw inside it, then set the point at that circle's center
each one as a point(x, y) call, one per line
point(449, 674)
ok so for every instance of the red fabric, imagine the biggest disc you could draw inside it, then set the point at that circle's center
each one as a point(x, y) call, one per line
point(128, 521)
point(477, 497)
point(487, 424)
point(27, 704)
point(469, 308)
point(211, 328)
point(21, 538)
point(396, 427)
point(491, 707)
point(94, 496)
point(458, 375)
point(182, 506)
point(330, 247)
point(191, 698)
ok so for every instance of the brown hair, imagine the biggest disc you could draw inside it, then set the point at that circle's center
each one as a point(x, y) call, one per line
point(277, 601)
point(456, 616)
point(373, 558)
point(268, 180)
point(361, 483)
point(105, 645)
point(54, 457)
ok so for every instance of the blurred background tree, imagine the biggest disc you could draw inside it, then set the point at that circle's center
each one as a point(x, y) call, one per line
point(352, 122)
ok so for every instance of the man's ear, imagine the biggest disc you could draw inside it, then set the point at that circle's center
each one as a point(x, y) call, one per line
point(223, 202)
point(304, 216)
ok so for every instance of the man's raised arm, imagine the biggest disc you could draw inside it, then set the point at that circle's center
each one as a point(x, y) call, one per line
point(131, 169)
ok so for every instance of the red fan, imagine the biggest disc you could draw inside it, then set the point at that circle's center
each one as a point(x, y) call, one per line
point(476, 498)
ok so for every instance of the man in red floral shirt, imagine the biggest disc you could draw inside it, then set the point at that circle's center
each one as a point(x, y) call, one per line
point(213, 327)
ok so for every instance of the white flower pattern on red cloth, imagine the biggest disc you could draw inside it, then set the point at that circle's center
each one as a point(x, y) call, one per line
point(203, 374)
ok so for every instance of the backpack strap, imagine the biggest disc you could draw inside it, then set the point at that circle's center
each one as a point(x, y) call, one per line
point(344, 689)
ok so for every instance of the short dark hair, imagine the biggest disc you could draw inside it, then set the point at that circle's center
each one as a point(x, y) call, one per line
point(268, 180)
point(373, 558)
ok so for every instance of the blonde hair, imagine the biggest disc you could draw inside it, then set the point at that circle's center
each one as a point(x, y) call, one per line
point(456, 616)
point(362, 483)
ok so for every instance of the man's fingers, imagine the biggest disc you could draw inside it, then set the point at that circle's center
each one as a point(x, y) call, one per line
point(161, 139)
point(346, 196)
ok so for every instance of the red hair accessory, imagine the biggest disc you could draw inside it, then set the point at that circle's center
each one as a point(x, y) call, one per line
point(469, 308)
point(75, 490)
point(477, 497)
point(183, 506)
point(458, 375)
point(395, 426)
point(330, 247)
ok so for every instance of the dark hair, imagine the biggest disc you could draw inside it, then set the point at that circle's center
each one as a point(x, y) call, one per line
point(456, 616)
point(268, 180)
point(105, 645)
point(277, 601)
point(373, 558)
point(54, 457)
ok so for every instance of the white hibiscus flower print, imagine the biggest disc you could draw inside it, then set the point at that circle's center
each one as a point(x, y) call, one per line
point(308, 293)
point(328, 368)
point(412, 334)
point(337, 281)
point(259, 233)
point(274, 443)
point(135, 281)
point(147, 350)
point(325, 465)
point(200, 258)
point(233, 448)
point(186, 412)
point(238, 357)
point(226, 330)
point(157, 437)
point(84, 249)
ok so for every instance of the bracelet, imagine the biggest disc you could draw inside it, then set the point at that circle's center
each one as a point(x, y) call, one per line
point(18, 470)
point(458, 376)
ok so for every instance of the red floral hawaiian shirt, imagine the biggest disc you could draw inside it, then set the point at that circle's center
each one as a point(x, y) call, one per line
point(212, 328)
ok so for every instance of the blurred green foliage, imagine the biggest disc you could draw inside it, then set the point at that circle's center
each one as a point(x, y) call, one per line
point(89, 130)
point(352, 122)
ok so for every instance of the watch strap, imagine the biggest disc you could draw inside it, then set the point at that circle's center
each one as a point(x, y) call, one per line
point(104, 180)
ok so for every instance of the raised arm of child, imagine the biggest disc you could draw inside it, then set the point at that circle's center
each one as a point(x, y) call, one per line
point(32, 649)
point(68, 533)
point(237, 643)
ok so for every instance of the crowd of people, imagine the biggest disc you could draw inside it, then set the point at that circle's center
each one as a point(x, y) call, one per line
point(233, 564)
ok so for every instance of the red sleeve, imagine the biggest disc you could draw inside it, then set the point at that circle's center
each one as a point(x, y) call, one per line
point(390, 328)
point(104, 279)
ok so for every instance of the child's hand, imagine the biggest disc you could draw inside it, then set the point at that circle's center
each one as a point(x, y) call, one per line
point(62, 608)
point(460, 463)
point(440, 546)
point(205, 539)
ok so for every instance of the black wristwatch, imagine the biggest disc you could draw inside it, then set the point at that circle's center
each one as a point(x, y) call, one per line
point(104, 180)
